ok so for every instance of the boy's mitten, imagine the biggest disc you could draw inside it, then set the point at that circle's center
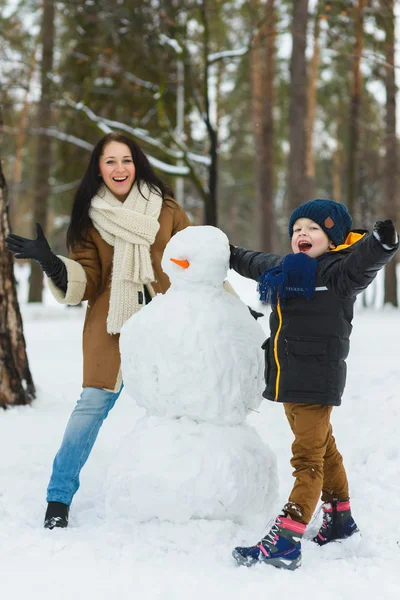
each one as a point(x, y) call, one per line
point(255, 314)
point(386, 232)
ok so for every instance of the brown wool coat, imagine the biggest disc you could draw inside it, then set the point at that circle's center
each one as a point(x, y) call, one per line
point(89, 274)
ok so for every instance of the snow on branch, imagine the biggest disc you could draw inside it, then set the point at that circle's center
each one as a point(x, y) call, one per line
point(139, 133)
point(51, 131)
point(164, 39)
point(65, 137)
point(166, 168)
point(212, 58)
point(143, 135)
point(92, 116)
point(64, 187)
point(116, 69)
point(103, 126)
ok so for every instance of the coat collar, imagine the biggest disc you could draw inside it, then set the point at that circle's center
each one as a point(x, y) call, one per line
point(352, 238)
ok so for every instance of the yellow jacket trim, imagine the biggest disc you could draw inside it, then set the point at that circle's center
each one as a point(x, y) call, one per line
point(278, 366)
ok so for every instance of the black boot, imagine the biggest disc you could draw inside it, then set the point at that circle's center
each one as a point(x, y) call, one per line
point(337, 524)
point(56, 515)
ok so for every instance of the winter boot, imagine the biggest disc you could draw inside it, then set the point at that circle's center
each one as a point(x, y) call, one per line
point(280, 548)
point(337, 524)
point(56, 515)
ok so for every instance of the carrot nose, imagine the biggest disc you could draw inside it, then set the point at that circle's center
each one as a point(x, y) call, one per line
point(182, 263)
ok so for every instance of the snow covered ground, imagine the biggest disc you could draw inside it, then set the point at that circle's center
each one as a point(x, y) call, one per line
point(99, 557)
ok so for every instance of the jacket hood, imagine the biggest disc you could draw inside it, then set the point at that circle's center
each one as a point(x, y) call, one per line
point(353, 237)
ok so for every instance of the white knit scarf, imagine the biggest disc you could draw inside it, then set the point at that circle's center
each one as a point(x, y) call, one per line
point(131, 227)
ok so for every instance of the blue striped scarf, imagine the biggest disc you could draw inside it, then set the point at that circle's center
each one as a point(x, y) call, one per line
point(295, 276)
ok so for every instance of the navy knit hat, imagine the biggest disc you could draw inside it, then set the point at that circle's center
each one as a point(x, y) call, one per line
point(331, 216)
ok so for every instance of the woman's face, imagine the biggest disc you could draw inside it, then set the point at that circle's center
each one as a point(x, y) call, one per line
point(117, 169)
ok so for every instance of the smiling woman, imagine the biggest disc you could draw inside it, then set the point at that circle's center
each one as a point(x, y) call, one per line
point(122, 218)
point(117, 169)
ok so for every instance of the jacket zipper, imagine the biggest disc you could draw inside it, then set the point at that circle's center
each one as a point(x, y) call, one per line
point(278, 366)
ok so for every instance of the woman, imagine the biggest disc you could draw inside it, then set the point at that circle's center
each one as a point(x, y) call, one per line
point(122, 218)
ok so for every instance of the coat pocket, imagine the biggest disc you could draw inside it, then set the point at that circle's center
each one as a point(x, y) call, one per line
point(267, 369)
point(308, 365)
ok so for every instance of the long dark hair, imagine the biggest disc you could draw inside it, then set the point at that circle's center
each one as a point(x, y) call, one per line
point(80, 221)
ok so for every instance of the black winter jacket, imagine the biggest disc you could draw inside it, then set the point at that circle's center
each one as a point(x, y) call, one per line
point(305, 355)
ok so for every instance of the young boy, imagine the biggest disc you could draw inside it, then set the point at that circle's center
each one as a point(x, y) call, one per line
point(312, 293)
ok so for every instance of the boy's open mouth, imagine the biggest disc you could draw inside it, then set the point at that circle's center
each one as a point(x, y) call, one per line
point(304, 246)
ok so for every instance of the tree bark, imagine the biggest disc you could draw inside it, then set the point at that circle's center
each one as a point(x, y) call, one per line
point(337, 170)
point(297, 178)
point(391, 146)
point(211, 206)
point(43, 152)
point(16, 384)
point(262, 84)
point(355, 107)
point(312, 104)
point(14, 193)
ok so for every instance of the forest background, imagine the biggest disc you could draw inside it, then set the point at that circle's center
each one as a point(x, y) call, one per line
point(247, 108)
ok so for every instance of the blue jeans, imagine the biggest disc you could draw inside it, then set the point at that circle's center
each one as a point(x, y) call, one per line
point(80, 435)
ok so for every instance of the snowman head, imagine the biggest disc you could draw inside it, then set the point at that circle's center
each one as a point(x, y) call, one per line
point(197, 255)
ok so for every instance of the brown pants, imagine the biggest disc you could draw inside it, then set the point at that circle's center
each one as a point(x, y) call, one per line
point(318, 465)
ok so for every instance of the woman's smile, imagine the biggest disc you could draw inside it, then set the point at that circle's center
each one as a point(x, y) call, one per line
point(117, 169)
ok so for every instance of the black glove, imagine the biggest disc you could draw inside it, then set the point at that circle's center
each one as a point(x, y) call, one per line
point(255, 313)
point(40, 251)
point(386, 232)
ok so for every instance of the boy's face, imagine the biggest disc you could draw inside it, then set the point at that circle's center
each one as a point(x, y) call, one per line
point(308, 237)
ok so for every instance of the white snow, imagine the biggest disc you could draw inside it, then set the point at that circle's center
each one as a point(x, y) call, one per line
point(99, 557)
point(180, 469)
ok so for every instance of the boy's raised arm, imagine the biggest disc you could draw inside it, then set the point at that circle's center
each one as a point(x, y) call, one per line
point(252, 264)
point(349, 276)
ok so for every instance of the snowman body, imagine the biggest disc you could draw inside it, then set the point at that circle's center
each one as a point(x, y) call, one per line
point(192, 358)
point(194, 354)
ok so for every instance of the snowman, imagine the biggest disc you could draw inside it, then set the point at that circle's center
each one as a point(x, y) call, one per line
point(192, 359)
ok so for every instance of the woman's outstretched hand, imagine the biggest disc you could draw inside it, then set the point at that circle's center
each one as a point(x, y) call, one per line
point(38, 249)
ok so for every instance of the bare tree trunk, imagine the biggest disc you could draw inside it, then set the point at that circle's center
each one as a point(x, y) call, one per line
point(233, 216)
point(297, 179)
point(43, 154)
point(338, 155)
point(355, 106)
point(337, 172)
point(16, 384)
point(19, 145)
point(391, 154)
point(312, 103)
point(262, 81)
point(211, 207)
